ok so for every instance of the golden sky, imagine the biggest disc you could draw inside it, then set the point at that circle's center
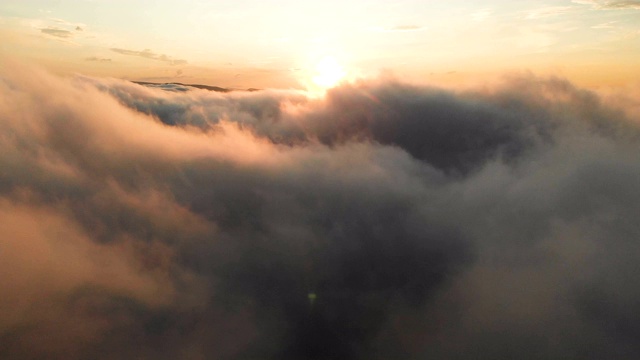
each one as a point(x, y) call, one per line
point(300, 44)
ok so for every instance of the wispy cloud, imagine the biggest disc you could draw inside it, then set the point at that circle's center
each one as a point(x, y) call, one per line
point(97, 59)
point(611, 4)
point(147, 53)
point(61, 33)
point(607, 25)
point(58, 28)
point(548, 11)
point(64, 22)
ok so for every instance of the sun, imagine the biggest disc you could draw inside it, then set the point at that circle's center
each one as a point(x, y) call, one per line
point(328, 72)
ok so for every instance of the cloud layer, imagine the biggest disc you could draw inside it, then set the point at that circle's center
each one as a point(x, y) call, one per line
point(381, 221)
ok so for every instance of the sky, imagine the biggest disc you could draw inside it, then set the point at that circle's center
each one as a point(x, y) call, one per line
point(250, 43)
point(407, 180)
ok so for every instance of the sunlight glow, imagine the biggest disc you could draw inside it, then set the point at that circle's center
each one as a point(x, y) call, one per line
point(328, 72)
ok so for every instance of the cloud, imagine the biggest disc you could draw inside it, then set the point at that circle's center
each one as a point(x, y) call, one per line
point(65, 34)
point(146, 53)
point(98, 59)
point(384, 220)
point(61, 28)
point(549, 11)
point(611, 4)
point(606, 25)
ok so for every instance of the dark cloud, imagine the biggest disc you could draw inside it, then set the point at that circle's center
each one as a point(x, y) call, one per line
point(57, 32)
point(146, 53)
point(382, 221)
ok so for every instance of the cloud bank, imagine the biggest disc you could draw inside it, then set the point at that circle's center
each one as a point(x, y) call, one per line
point(382, 221)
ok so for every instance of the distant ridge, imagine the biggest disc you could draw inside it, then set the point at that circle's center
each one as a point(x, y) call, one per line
point(198, 86)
